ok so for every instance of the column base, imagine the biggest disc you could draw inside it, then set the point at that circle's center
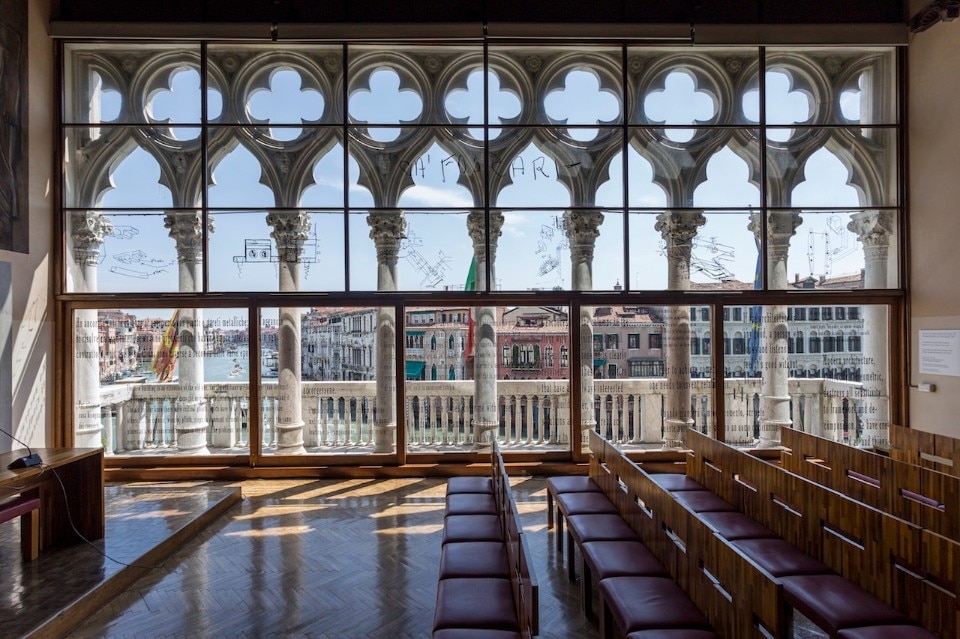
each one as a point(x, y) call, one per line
point(192, 441)
point(483, 435)
point(383, 437)
point(673, 432)
point(88, 438)
point(770, 432)
point(290, 440)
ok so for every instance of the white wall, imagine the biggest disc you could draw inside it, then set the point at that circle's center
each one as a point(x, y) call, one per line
point(26, 309)
point(934, 214)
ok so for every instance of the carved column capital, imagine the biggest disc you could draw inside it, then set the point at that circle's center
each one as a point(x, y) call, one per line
point(88, 228)
point(678, 228)
point(873, 228)
point(290, 230)
point(582, 229)
point(477, 228)
point(186, 228)
point(781, 226)
point(387, 228)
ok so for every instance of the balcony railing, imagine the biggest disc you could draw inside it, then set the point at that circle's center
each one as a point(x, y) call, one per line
point(339, 417)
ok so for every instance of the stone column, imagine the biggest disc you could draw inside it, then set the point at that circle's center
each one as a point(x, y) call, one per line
point(186, 228)
point(874, 229)
point(678, 228)
point(486, 416)
point(290, 230)
point(582, 229)
point(87, 232)
point(387, 228)
point(774, 332)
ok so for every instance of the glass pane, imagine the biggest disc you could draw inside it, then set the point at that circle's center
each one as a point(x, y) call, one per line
point(432, 250)
point(831, 362)
point(830, 86)
point(547, 168)
point(119, 252)
point(690, 248)
point(279, 89)
point(833, 167)
point(115, 83)
point(415, 85)
point(650, 381)
point(419, 168)
point(249, 169)
point(582, 86)
point(534, 250)
point(679, 87)
point(715, 168)
point(131, 167)
point(288, 251)
point(462, 387)
point(829, 249)
point(162, 381)
point(328, 380)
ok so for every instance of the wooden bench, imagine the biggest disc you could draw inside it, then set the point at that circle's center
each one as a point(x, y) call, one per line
point(872, 556)
point(487, 588)
point(27, 507)
point(639, 596)
point(925, 497)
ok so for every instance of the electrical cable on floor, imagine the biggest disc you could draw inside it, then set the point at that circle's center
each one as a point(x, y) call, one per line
point(66, 501)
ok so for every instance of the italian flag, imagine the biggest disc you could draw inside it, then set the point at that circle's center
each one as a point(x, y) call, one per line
point(470, 285)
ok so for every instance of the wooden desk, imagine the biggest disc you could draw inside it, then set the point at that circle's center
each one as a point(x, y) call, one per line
point(81, 471)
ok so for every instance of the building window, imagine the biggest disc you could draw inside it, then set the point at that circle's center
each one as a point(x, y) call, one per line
point(656, 340)
point(633, 340)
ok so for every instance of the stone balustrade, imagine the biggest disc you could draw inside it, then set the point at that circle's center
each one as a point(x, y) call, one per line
point(140, 418)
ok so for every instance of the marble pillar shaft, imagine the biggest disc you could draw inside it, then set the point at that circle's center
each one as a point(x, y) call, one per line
point(88, 230)
point(678, 228)
point(190, 417)
point(387, 229)
point(290, 230)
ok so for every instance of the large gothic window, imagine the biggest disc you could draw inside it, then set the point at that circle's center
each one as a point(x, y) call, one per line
point(306, 189)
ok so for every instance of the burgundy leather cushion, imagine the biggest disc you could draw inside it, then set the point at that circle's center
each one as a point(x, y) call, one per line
point(620, 558)
point(471, 528)
point(675, 633)
point(469, 485)
point(886, 632)
point(472, 633)
point(832, 603)
point(17, 506)
point(781, 558)
point(602, 527)
point(572, 484)
point(585, 504)
point(736, 525)
point(474, 559)
point(649, 603)
point(702, 501)
point(471, 504)
point(475, 603)
point(675, 481)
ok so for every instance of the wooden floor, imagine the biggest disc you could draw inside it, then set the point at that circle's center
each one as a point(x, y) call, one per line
point(294, 558)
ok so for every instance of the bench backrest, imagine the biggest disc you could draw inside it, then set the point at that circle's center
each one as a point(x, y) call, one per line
point(930, 450)
point(522, 575)
point(925, 497)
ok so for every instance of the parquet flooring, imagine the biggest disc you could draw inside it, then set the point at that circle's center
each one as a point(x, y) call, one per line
point(343, 559)
point(144, 524)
